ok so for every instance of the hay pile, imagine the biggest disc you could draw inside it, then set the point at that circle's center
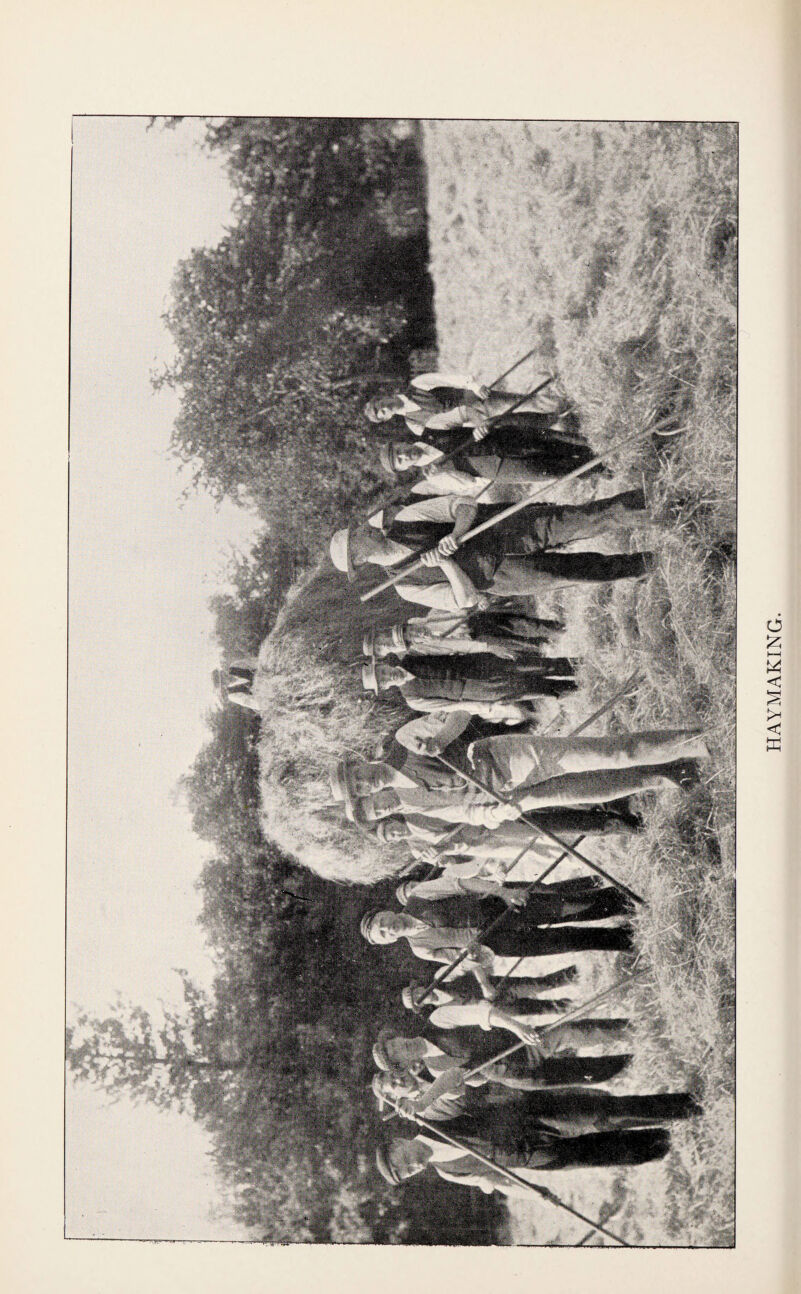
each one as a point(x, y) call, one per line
point(314, 711)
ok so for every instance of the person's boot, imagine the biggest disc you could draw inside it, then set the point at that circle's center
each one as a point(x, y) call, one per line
point(684, 773)
point(626, 566)
point(624, 817)
point(664, 1107)
point(547, 1005)
point(632, 501)
point(554, 979)
point(609, 1149)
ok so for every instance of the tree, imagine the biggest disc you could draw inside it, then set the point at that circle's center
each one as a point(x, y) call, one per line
point(172, 1064)
point(311, 301)
point(259, 581)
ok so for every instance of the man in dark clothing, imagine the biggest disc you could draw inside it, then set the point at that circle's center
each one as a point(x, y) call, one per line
point(429, 938)
point(578, 899)
point(526, 463)
point(524, 436)
point(523, 931)
point(434, 1051)
point(454, 682)
point(455, 404)
point(512, 559)
point(533, 1150)
point(501, 1114)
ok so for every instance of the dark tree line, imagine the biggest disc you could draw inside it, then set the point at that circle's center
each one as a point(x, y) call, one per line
point(275, 1060)
point(316, 297)
point(313, 299)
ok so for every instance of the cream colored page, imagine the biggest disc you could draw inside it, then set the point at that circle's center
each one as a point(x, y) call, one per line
point(617, 61)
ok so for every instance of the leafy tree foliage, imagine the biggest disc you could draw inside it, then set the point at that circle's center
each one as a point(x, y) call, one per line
point(172, 1064)
point(311, 301)
point(314, 299)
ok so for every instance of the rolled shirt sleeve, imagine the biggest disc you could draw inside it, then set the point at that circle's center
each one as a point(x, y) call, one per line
point(438, 596)
point(430, 381)
point(492, 815)
point(441, 726)
point(438, 508)
point(462, 1014)
point(464, 415)
point(451, 481)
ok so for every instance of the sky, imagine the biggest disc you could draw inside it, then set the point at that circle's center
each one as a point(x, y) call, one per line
point(143, 563)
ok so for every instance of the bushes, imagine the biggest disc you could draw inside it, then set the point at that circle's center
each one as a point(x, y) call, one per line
point(311, 301)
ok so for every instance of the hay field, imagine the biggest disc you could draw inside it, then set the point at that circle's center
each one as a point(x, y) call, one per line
point(613, 248)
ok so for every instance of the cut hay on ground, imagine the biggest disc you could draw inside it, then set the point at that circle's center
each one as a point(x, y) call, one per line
point(614, 247)
point(314, 710)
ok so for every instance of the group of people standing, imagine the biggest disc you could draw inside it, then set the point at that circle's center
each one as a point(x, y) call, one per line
point(466, 783)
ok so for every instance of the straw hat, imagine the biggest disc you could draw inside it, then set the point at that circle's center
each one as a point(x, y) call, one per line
point(392, 638)
point(402, 892)
point(339, 777)
point(340, 549)
point(380, 1056)
point(407, 998)
point(384, 1166)
point(344, 793)
point(369, 677)
point(366, 922)
point(386, 456)
point(382, 827)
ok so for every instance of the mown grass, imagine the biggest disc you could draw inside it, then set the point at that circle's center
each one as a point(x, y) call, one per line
point(614, 248)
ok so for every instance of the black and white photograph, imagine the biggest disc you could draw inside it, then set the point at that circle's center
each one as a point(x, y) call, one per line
point(400, 865)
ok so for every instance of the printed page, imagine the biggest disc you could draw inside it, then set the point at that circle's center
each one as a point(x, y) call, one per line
point(404, 505)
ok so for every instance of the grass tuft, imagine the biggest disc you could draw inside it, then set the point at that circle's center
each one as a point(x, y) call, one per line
point(614, 246)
